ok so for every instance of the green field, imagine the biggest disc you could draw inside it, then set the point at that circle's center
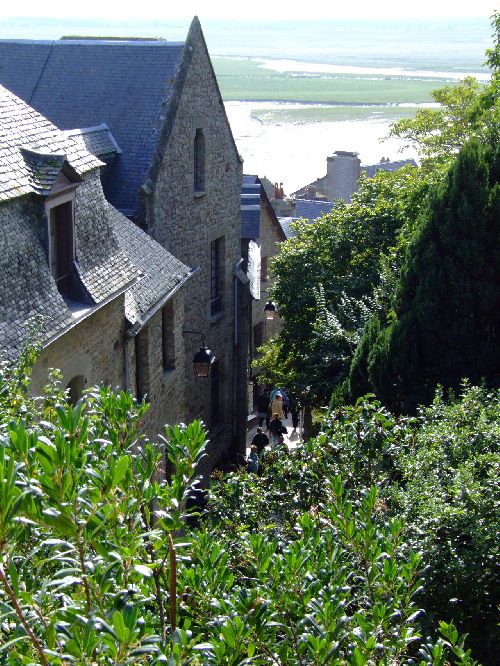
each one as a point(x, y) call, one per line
point(315, 114)
point(244, 80)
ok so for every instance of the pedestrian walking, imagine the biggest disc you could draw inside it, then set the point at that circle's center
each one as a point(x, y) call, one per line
point(260, 440)
point(263, 408)
point(253, 460)
point(294, 411)
point(276, 429)
point(276, 405)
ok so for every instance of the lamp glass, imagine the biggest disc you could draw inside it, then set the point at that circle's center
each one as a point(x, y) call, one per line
point(202, 362)
point(269, 310)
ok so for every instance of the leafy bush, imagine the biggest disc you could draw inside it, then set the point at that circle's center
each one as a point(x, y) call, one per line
point(298, 566)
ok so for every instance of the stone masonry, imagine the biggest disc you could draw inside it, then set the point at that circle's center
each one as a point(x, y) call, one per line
point(186, 222)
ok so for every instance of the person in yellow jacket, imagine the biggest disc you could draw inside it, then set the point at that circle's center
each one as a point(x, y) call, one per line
point(276, 406)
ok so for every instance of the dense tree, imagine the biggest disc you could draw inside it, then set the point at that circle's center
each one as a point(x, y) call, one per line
point(298, 567)
point(325, 279)
point(445, 324)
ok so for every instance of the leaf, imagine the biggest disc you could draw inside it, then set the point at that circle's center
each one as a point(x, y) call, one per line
point(143, 570)
point(120, 469)
point(119, 625)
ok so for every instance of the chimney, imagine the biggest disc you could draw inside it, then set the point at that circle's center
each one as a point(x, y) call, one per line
point(342, 175)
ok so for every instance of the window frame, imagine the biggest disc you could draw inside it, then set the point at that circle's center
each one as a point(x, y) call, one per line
point(52, 204)
point(199, 161)
point(217, 249)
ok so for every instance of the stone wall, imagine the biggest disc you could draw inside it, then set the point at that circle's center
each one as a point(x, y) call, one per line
point(186, 221)
point(343, 172)
point(165, 387)
point(94, 349)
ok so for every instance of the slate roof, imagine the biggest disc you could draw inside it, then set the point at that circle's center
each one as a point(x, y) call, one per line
point(312, 209)
point(250, 207)
point(32, 150)
point(112, 252)
point(371, 169)
point(285, 223)
point(163, 273)
point(84, 83)
point(97, 140)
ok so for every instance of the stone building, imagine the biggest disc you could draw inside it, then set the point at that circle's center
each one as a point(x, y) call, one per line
point(343, 172)
point(261, 234)
point(173, 168)
point(88, 277)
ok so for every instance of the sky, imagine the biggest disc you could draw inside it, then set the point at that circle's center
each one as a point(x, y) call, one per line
point(256, 9)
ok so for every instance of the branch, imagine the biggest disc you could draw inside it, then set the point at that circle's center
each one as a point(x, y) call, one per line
point(22, 617)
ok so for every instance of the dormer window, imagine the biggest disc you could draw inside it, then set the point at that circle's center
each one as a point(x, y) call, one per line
point(61, 246)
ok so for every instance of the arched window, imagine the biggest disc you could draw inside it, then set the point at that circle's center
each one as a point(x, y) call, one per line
point(199, 161)
point(75, 388)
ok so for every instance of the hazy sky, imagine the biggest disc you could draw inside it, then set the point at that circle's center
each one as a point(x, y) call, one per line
point(256, 9)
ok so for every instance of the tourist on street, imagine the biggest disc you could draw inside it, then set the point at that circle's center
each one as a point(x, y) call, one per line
point(253, 460)
point(294, 411)
point(276, 429)
point(260, 440)
point(276, 406)
point(263, 408)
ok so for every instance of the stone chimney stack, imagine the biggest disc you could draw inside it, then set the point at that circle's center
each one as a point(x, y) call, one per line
point(343, 170)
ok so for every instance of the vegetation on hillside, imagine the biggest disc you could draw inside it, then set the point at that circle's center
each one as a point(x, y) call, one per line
point(324, 559)
point(444, 320)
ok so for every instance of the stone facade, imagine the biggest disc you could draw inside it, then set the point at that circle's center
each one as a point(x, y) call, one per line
point(165, 385)
point(175, 172)
point(186, 222)
point(93, 349)
point(342, 175)
point(125, 291)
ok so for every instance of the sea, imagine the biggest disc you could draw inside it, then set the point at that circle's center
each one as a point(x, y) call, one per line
point(438, 50)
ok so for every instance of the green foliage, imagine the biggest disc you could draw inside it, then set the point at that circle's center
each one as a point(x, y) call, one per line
point(299, 566)
point(325, 278)
point(85, 527)
point(436, 475)
point(445, 320)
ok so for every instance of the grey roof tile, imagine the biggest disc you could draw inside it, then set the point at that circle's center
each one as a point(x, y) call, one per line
point(371, 169)
point(163, 273)
point(27, 288)
point(31, 170)
point(86, 83)
point(312, 209)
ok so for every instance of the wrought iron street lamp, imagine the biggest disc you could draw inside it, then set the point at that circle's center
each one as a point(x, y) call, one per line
point(203, 359)
point(269, 310)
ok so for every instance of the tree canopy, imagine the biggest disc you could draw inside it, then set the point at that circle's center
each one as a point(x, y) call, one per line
point(325, 278)
point(446, 317)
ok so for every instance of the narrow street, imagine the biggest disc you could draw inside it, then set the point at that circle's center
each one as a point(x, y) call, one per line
point(292, 438)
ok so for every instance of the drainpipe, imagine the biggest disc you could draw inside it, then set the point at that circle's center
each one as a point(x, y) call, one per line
point(243, 278)
point(127, 364)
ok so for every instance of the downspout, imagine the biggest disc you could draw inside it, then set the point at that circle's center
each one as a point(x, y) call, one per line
point(235, 347)
point(127, 364)
point(238, 275)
